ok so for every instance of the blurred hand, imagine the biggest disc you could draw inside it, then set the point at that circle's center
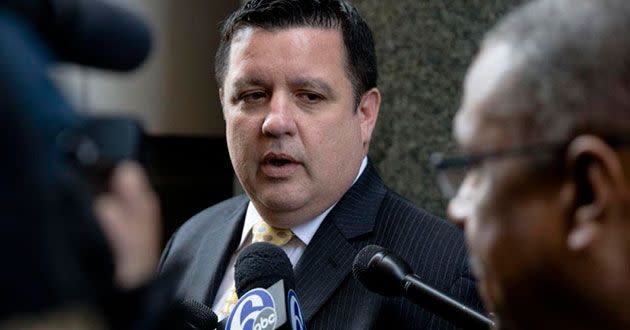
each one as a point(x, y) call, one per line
point(130, 217)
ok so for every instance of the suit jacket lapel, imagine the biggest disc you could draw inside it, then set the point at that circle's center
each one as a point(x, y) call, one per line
point(328, 258)
point(214, 254)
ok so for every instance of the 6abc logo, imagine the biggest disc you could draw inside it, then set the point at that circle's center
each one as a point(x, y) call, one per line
point(256, 310)
point(295, 314)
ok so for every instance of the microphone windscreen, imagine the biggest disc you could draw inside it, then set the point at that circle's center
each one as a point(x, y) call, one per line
point(88, 32)
point(197, 314)
point(261, 265)
point(96, 33)
point(380, 271)
point(360, 266)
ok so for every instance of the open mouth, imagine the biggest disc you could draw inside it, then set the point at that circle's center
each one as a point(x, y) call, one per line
point(279, 166)
point(278, 162)
point(278, 159)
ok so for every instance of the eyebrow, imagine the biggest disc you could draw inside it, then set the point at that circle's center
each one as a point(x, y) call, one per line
point(249, 81)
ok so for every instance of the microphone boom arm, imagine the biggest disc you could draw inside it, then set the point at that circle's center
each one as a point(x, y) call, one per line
point(443, 305)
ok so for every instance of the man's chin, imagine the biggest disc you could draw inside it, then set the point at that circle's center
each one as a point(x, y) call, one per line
point(489, 303)
point(499, 313)
point(280, 207)
point(283, 206)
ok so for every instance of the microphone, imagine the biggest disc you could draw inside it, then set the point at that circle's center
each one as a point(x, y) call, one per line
point(87, 32)
point(382, 272)
point(193, 315)
point(265, 282)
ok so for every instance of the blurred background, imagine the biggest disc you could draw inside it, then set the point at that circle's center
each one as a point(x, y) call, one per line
point(423, 48)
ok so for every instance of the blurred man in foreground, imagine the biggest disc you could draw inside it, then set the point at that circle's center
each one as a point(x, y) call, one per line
point(542, 188)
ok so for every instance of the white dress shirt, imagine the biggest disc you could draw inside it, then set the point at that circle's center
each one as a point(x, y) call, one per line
point(302, 236)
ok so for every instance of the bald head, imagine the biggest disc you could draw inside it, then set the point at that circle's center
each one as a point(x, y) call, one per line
point(568, 68)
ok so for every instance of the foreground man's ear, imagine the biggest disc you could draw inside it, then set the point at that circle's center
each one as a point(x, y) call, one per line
point(599, 185)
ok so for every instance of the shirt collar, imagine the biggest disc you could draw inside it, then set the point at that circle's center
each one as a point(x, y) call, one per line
point(305, 231)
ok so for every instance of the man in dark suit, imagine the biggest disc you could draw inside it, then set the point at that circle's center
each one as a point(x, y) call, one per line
point(298, 88)
point(544, 125)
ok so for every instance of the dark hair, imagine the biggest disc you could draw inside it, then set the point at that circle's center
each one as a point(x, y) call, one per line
point(572, 67)
point(328, 14)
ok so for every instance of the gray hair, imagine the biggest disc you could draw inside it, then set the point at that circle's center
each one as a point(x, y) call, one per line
point(573, 73)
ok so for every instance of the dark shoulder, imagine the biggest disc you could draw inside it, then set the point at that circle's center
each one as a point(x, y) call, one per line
point(405, 212)
point(434, 247)
point(222, 211)
point(191, 234)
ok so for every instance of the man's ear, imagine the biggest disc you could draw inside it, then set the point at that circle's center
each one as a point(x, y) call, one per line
point(368, 112)
point(599, 183)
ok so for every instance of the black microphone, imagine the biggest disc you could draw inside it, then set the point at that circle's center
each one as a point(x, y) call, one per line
point(193, 315)
point(382, 272)
point(87, 32)
point(265, 282)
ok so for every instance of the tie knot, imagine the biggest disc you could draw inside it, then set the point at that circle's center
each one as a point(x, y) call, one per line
point(263, 232)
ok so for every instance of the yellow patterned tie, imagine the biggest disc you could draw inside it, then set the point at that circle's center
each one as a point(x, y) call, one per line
point(261, 232)
point(265, 233)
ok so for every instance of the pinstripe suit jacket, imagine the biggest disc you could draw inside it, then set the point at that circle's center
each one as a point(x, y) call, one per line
point(369, 213)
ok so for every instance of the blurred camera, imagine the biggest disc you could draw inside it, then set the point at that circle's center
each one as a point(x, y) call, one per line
point(96, 147)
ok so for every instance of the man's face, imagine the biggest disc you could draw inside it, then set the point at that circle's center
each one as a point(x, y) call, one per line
point(294, 139)
point(508, 214)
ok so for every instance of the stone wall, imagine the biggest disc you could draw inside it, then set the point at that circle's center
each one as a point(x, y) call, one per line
point(423, 48)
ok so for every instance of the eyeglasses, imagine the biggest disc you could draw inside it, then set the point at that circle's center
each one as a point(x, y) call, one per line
point(451, 170)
